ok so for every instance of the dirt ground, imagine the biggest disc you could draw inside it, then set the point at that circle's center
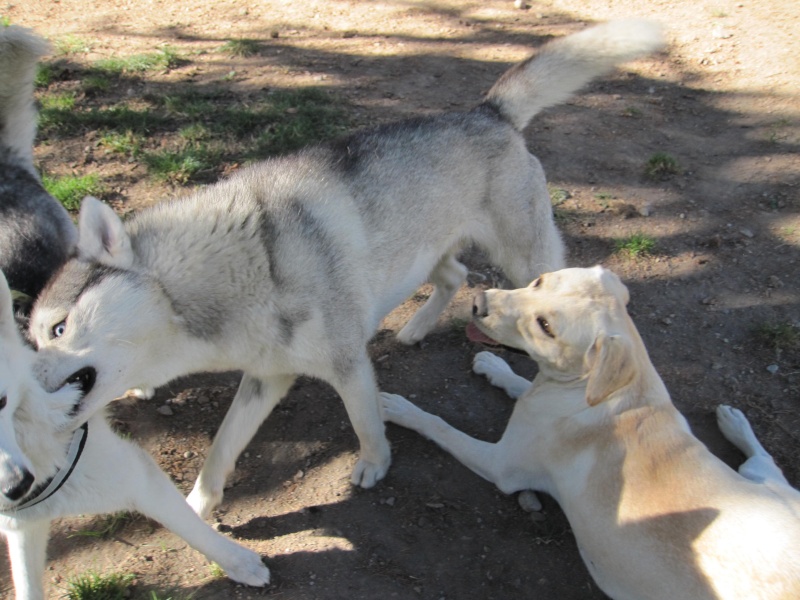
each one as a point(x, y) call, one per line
point(723, 100)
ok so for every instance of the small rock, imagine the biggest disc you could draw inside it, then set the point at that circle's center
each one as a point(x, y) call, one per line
point(188, 454)
point(774, 281)
point(528, 501)
point(202, 400)
point(646, 210)
point(666, 321)
point(165, 410)
point(390, 501)
point(747, 232)
point(773, 369)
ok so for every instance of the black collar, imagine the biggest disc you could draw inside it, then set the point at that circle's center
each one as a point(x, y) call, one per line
point(52, 485)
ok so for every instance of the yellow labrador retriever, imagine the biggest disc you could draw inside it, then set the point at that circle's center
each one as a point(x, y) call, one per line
point(655, 514)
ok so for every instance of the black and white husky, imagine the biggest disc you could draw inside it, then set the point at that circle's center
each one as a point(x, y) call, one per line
point(36, 232)
point(53, 466)
point(288, 267)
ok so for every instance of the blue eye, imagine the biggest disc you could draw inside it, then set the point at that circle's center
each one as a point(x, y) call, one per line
point(60, 329)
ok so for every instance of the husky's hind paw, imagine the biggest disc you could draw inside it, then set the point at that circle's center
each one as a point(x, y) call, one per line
point(247, 568)
point(203, 502)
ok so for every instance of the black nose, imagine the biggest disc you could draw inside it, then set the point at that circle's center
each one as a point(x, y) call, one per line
point(85, 379)
point(479, 307)
point(18, 484)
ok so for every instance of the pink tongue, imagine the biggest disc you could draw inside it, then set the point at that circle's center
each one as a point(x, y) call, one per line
point(476, 335)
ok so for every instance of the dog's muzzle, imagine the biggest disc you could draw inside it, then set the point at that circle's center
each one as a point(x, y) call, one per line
point(84, 378)
point(17, 484)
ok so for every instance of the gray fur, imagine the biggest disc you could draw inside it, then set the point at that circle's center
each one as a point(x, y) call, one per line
point(288, 267)
point(36, 233)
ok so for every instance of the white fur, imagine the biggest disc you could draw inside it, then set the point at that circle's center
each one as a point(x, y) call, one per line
point(111, 475)
point(655, 514)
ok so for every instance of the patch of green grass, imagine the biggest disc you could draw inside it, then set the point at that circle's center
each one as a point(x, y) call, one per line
point(95, 83)
point(116, 66)
point(661, 166)
point(557, 195)
point(178, 166)
point(216, 571)
point(127, 143)
point(45, 75)
point(93, 586)
point(632, 112)
point(191, 106)
point(196, 132)
point(296, 118)
point(71, 44)
point(58, 102)
point(5, 21)
point(71, 190)
point(636, 245)
point(108, 525)
point(779, 336)
point(777, 130)
point(241, 47)
point(67, 121)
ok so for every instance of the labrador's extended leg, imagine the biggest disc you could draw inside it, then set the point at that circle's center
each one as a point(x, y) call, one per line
point(499, 374)
point(155, 496)
point(759, 465)
point(27, 549)
point(252, 404)
point(480, 457)
point(359, 392)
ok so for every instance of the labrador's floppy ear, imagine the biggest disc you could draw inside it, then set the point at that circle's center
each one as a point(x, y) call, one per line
point(610, 366)
point(101, 235)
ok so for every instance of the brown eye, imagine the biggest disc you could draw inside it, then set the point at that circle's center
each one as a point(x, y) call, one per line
point(545, 326)
point(536, 282)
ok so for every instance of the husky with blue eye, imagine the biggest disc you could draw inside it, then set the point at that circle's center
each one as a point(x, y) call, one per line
point(53, 466)
point(288, 267)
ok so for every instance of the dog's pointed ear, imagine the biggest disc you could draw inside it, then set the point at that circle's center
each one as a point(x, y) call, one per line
point(101, 235)
point(7, 322)
point(610, 366)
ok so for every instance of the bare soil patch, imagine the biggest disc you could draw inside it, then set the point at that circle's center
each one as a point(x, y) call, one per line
point(722, 101)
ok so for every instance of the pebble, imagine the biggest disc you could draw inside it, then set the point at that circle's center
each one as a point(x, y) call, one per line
point(747, 232)
point(646, 210)
point(773, 369)
point(165, 410)
point(528, 501)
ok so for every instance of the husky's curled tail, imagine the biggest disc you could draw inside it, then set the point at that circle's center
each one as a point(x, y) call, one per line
point(36, 232)
point(565, 65)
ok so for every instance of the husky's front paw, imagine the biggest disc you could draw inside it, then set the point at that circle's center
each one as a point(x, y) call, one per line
point(247, 568)
point(366, 474)
point(203, 501)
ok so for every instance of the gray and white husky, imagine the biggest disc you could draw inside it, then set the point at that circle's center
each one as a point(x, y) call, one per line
point(36, 232)
point(52, 466)
point(288, 267)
